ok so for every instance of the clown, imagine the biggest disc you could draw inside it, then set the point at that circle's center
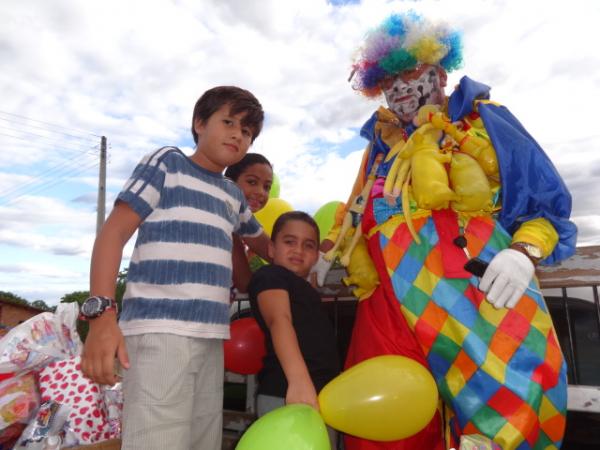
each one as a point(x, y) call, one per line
point(464, 205)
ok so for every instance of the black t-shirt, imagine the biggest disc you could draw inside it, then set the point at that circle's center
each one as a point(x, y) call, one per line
point(314, 330)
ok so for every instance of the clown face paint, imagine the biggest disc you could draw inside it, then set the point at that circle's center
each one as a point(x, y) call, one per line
point(411, 89)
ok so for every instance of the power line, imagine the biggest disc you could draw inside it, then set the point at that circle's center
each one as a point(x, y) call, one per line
point(39, 178)
point(50, 183)
point(61, 142)
point(51, 124)
point(38, 145)
point(49, 130)
point(47, 185)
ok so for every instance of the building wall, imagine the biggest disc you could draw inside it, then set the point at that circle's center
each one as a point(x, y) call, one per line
point(11, 315)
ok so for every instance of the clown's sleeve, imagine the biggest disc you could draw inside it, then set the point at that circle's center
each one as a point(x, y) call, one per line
point(538, 232)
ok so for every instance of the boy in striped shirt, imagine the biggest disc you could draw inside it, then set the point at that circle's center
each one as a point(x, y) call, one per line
point(175, 308)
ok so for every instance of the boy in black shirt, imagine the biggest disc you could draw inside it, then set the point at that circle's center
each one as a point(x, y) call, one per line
point(302, 355)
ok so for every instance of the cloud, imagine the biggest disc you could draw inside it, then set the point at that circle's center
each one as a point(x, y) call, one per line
point(134, 77)
point(47, 282)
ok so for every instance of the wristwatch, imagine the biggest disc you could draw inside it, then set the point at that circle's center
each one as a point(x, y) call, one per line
point(94, 306)
point(533, 252)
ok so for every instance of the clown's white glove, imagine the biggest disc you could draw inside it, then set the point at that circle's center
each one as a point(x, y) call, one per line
point(321, 268)
point(506, 278)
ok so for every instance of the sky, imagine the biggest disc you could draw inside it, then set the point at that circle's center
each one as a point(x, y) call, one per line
point(72, 71)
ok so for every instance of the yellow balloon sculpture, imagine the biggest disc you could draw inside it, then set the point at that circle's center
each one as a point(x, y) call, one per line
point(385, 398)
point(470, 184)
point(361, 272)
point(272, 210)
point(430, 184)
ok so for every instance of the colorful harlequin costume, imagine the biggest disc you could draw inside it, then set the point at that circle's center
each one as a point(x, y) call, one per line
point(500, 372)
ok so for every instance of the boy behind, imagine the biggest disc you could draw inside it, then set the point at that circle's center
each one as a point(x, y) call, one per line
point(302, 355)
point(175, 308)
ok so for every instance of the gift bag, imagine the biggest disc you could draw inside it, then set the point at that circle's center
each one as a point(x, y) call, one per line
point(40, 340)
point(64, 383)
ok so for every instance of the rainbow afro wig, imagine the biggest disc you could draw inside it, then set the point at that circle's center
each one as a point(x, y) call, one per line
point(402, 42)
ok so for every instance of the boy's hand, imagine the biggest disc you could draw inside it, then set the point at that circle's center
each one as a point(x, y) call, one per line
point(104, 342)
point(302, 392)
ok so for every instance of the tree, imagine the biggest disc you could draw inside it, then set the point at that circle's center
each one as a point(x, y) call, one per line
point(121, 285)
point(41, 304)
point(77, 296)
point(13, 298)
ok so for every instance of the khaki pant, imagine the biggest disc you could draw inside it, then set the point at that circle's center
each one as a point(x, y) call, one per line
point(173, 393)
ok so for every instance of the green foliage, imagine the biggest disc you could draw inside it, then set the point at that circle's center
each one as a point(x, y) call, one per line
point(13, 298)
point(121, 285)
point(41, 304)
point(77, 296)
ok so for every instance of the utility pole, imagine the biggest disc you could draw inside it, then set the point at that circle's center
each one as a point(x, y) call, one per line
point(101, 187)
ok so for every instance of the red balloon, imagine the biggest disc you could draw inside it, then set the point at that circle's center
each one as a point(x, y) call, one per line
point(245, 350)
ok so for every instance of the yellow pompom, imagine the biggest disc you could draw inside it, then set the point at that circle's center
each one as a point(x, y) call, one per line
point(429, 50)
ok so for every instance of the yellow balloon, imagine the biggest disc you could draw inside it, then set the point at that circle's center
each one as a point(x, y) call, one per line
point(272, 210)
point(385, 398)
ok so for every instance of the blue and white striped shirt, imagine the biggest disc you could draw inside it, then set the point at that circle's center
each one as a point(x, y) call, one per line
point(180, 271)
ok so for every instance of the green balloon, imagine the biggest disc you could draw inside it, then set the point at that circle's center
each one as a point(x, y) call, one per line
point(291, 427)
point(325, 217)
point(274, 192)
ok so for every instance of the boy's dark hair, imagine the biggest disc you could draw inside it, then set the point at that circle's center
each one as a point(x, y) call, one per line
point(234, 171)
point(238, 99)
point(294, 215)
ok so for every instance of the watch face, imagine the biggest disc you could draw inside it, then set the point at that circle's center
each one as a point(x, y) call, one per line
point(91, 307)
point(534, 251)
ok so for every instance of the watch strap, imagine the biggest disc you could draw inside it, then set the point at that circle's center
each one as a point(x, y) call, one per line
point(107, 303)
point(533, 252)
